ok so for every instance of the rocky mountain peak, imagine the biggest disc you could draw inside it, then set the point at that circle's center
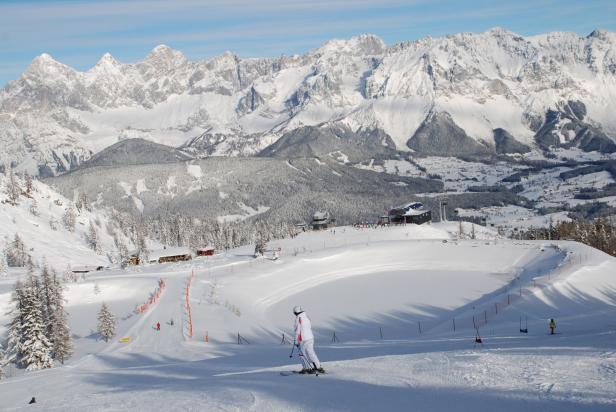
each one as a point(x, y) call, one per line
point(163, 55)
point(599, 34)
point(107, 63)
point(43, 63)
point(364, 44)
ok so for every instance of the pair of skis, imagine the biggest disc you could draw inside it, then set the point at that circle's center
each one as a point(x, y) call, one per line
point(305, 364)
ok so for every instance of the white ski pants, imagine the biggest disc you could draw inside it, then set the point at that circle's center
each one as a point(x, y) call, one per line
point(310, 357)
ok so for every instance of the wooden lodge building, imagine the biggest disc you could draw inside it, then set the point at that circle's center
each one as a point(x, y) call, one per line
point(170, 254)
point(205, 251)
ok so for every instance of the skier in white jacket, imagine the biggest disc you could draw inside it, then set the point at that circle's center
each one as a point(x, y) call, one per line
point(304, 339)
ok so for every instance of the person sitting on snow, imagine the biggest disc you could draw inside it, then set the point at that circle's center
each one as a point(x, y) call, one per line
point(304, 339)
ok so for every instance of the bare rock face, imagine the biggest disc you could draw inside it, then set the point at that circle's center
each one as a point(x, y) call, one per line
point(135, 152)
point(566, 127)
point(438, 135)
point(505, 143)
point(443, 96)
point(332, 141)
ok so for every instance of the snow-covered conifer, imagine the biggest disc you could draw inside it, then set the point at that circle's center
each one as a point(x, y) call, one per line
point(13, 186)
point(3, 264)
point(35, 347)
point(29, 185)
point(123, 254)
point(69, 219)
point(260, 246)
point(60, 335)
point(2, 362)
point(82, 202)
point(93, 241)
point(16, 254)
point(69, 276)
point(106, 323)
point(53, 223)
point(142, 246)
point(14, 337)
point(34, 208)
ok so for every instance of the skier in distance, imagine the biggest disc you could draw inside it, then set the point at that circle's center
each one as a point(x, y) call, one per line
point(304, 339)
point(552, 326)
point(157, 325)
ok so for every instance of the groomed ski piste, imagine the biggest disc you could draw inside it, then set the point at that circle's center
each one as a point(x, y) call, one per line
point(395, 311)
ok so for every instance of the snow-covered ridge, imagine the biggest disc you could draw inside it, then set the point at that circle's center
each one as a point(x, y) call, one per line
point(54, 117)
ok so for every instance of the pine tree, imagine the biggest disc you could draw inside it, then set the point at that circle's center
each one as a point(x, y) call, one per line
point(106, 323)
point(14, 337)
point(123, 254)
point(29, 185)
point(53, 223)
point(69, 219)
point(16, 255)
point(13, 188)
point(93, 239)
point(82, 202)
point(60, 335)
point(3, 264)
point(142, 247)
point(260, 246)
point(48, 297)
point(2, 362)
point(69, 275)
point(34, 208)
point(35, 347)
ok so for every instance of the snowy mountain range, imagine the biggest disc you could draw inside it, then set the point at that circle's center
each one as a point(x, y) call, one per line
point(462, 95)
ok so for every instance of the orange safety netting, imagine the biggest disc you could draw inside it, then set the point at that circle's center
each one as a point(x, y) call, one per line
point(153, 297)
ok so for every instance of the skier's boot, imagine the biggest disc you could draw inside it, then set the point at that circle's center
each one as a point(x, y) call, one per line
point(317, 370)
point(305, 371)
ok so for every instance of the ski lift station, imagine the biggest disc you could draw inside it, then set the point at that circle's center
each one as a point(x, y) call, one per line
point(413, 212)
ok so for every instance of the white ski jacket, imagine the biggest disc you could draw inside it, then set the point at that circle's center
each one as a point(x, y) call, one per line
point(302, 328)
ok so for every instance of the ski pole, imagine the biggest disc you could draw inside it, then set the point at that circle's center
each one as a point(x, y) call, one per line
point(292, 350)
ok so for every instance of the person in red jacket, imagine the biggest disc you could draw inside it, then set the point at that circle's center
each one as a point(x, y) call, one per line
point(157, 325)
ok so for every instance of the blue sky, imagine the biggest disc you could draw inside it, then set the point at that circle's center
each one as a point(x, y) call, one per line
point(78, 32)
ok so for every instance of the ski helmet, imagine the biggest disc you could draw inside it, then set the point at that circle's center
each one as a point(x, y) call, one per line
point(297, 310)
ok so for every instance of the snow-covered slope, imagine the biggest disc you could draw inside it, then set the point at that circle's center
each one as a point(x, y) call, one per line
point(373, 288)
point(39, 222)
point(53, 117)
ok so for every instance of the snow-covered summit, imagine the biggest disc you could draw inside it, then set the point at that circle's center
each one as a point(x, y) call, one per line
point(484, 81)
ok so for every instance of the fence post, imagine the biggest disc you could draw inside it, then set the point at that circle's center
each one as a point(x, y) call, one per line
point(419, 325)
point(485, 316)
point(381, 332)
point(496, 307)
point(454, 324)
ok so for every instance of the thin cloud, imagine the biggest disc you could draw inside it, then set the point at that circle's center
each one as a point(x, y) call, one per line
point(78, 32)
